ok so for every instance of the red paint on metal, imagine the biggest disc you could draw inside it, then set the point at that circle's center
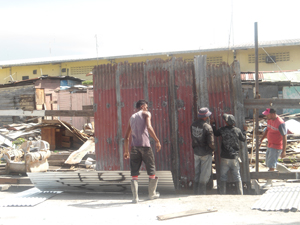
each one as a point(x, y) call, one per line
point(132, 88)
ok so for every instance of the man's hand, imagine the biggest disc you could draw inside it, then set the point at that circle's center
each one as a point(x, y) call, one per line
point(157, 146)
point(126, 155)
point(259, 143)
point(283, 154)
point(245, 127)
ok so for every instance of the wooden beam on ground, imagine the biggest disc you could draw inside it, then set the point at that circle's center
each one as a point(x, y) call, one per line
point(275, 175)
point(42, 113)
point(184, 213)
point(73, 113)
point(272, 103)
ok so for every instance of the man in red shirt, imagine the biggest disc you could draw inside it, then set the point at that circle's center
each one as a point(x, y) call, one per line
point(276, 134)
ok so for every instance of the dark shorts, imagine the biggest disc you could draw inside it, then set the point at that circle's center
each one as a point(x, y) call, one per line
point(139, 155)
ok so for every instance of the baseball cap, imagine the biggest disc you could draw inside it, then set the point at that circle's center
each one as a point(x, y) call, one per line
point(268, 111)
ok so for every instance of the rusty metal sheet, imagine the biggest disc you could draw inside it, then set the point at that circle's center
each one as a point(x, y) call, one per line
point(184, 105)
point(174, 89)
point(106, 149)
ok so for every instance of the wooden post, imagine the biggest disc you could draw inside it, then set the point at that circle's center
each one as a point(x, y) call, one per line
point(174, 124)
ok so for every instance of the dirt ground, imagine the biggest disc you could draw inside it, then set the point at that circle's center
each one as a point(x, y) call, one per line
point(116, 208)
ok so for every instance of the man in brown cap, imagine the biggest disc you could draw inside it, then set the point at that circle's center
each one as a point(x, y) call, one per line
point(203, 146)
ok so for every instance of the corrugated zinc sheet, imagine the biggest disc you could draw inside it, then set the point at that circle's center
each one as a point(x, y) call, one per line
point(100, 181)
point(106, 120)
point(280, 199)
point(248, 76)
point(219, 88)
point(29, 197)
point(184, 75)
point(174, 90)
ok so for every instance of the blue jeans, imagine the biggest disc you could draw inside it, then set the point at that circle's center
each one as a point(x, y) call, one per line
point(232, 165)
point(202, 168)
point(272, 156)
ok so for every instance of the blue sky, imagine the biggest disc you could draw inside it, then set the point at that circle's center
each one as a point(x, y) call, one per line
point(34, 29)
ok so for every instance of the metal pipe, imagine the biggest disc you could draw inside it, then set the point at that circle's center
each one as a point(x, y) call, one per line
point(256, 96)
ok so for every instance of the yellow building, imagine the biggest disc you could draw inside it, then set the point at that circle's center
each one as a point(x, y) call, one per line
point(286, 54)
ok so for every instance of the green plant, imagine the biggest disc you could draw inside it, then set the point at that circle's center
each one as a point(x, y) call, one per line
point(87, 82)
point(292, 160)
point(280, 160)
point(19, 141)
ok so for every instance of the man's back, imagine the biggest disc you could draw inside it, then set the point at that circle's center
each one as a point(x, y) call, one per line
point(230, 140)
point(140, 135)
point(202, 138)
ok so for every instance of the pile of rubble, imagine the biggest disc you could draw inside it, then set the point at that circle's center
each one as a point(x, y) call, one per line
point(63, 144)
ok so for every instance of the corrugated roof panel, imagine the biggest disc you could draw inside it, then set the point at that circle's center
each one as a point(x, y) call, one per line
point(61, 59)
point(280, 199)
point(29, 197)
point(100, 181)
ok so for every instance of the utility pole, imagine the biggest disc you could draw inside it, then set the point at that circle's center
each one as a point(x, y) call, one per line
point(257, 96)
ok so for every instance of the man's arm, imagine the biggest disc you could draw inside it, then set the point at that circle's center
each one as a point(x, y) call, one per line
point(210, 138)
point(151, 131)
point(283, 153)
point(126, 142)
point(242, 135)
point(263, 137)
point(283, 132)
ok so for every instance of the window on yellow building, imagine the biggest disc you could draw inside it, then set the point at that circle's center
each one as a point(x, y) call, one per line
point(279, 56)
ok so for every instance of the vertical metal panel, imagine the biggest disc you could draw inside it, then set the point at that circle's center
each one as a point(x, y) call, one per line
point(157, 76)
point(131, 90)
point(224, 96)
point(171, 87)
point(107, 154)
point(201, 81)
point(239, 116)
point(184, 107)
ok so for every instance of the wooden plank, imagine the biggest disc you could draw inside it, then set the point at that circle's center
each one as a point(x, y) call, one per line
point(272, 103)
point(14, 180)
point(66, 144)
point(80, 113)
point(42, 113)
point(65, 139)
point(22, 113)
point(185, 213)
point(275, 175)
point(48, 134)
